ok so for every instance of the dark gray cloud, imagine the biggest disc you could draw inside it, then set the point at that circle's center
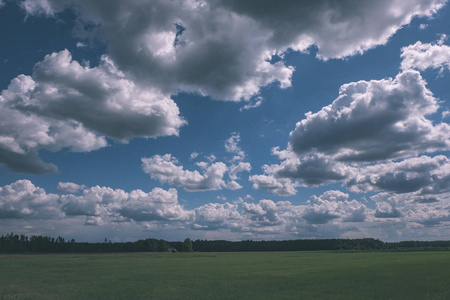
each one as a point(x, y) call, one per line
point(223, 48)
point(387, 213)
point(337, 28)
point(293, 171)
point(26, 162)
point(312, 170)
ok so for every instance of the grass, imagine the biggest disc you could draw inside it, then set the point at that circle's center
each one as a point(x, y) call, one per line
point(281, 275)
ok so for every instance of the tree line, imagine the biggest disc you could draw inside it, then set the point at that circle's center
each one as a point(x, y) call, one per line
point(14, 243)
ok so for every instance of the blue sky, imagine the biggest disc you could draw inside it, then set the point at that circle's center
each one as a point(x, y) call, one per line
point(225, 119)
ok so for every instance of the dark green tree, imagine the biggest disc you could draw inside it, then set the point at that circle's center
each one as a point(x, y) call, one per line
point(187, 245)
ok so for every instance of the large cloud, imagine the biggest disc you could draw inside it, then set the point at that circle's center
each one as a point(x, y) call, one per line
point(67, 105)
point(374, 120)
point(337, 28)
point(224, 48)
point(185, 45)
point(369, 123)
point(64, 89)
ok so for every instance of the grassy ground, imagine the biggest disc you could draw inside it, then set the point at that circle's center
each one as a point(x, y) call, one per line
point(284, 275)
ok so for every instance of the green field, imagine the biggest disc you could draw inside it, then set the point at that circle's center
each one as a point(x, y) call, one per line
point(280, 275)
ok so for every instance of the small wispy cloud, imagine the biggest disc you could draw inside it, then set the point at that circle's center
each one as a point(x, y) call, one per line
point(253, 104)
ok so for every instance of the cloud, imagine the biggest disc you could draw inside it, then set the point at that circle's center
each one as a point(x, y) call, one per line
point(23, 200)
point(158, 205)
point(182, 45)
point(333, 205)
point(103, 205)
point(235, 169)
point(223, 49)
point(330, 214)
point(81, 45)
point(194, 155)
point(374, 120)
point(39, 7)
point(231, 146)
point(238, 165)
point(371, 122)
point(254, 104)
point(278, 186)
point(214, 216)
point(94, 201)
point(69, 187)
point(265, 212)
point(164, 168)
point(427, 175)
point(414, 209)
point(23, 133)
point(338, 29)
point(59, 107)
point(422, 56)
point(309, 170)
point(65, 89)
point(313, 169)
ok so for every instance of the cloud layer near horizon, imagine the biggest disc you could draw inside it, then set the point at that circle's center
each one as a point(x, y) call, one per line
point(329, 214)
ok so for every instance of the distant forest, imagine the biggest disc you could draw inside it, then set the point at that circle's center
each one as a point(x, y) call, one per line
point(14, 243)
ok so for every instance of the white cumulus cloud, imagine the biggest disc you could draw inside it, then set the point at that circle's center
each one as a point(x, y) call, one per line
point(60, 105)
point(23, 200)
point(374, 120)
point(165, 169)
point(422, 56)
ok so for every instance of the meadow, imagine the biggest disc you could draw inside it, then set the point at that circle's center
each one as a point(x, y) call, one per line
point(244, 275)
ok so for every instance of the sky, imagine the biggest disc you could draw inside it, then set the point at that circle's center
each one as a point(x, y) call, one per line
point(225, 119)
